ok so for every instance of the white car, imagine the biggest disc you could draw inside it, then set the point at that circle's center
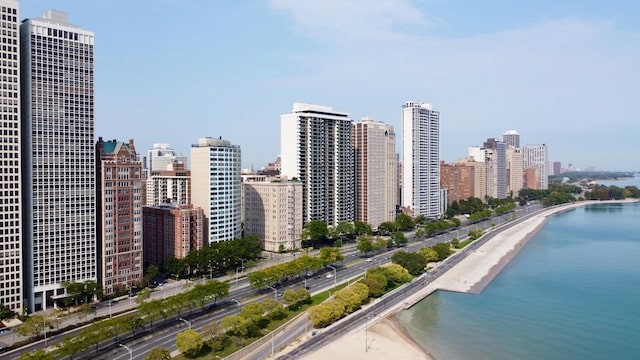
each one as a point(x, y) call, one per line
point(369, 259)
point(329, 276)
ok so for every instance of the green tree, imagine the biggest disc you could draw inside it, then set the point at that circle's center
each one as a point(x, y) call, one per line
point(443, 250)
point(399, 239)
point(273, 309)
point(343, 231)
point(6, 313)
point(330, 255)
point(387, 228)
point(235, 325)
point(365, 244)
point(379, 243)
point(413, 262)
point(361, 228)
point(254, 312)
point(34, 325)
point(189, 342)
point(151, 273)
point(315, 232)
point(404, 222)
point(158, 353)
point(36, 355)
point(429, 254)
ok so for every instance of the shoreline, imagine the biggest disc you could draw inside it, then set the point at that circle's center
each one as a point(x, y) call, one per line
point(471, 275)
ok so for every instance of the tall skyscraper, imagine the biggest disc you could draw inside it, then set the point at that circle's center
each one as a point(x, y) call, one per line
point(316, 148)
point(496, 167)
point(217, 187)
point(376, 171)
point(421, 159)
point(536, 156)
point(511, 138)
point(119, 210)
point(11, 266)
point(59, 191)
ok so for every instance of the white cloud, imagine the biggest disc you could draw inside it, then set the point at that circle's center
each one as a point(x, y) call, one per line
point(558, 82)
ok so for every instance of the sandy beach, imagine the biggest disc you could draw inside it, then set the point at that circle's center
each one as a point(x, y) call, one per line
point(388, 340)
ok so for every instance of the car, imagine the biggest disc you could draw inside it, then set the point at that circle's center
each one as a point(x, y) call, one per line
point(307, 288)
point(280, 294)
point(329, 276)
point(369, 259)
point(309, 273)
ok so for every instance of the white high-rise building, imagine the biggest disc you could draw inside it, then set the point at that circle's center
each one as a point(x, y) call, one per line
point(59, 178)
point(421, 159)
point(536, 156)
point(216, 187)
point(316, 148)
point(376, 171)
point(161, 156)
point(11, 266)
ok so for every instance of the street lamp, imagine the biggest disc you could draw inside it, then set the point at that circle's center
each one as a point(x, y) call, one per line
point(366, 339)
point(44, 328)
point(237, 274)
point(242, 263)
point(129, 350)
point(186, 322)
point(335, 273)
point(275, 292)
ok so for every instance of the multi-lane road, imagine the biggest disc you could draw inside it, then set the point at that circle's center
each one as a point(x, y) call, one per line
point(164, 333)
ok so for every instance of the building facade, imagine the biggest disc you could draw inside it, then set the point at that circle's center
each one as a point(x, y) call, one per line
point(515, 175)
point(511, 138)
point(273, 212)
point(537, 156)
point(59, 170)
point(376, 169)
point(458, 180)
point(496, 167)
point(160, 156)
point(316, 148)
point(11, 262)
point(173, 183)
point(119, 183)
point(217, 187)
point(421, 159)
point(171, 230)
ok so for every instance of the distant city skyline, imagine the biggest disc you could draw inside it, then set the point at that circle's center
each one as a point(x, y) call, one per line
point(562, 74)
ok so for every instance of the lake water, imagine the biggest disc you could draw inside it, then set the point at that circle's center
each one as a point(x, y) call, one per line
point(572, 293)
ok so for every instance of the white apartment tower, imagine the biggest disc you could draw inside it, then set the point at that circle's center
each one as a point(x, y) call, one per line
point(161, 156)
point(536, 156)
point(421, 159)
point(376, 169)
point(316, 148)
point(496, 167)
point(273, 211)
point(11, 264)
point(173, 183)
point(59, 191)
point(216, 187)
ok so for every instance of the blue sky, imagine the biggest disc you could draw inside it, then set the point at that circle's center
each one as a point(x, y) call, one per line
point(563, 73)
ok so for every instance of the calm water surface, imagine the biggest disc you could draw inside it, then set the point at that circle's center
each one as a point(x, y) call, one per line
point(572, 293)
